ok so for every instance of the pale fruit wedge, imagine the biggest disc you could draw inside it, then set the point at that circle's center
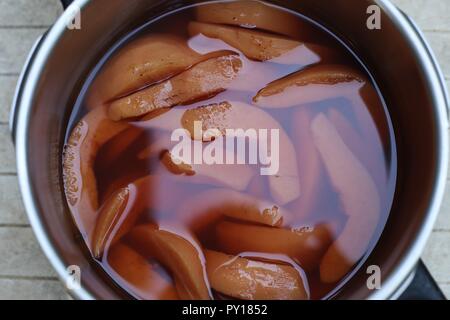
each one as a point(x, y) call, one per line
point(138, 275)
point(178, 167)
point(109, 216)
point(358, 195)
point(307, 54)
point(203, 80)
point(234, 176)
point(371, 118)
point(202, 209)
point(305, 246)
point(180, 256)
point(368, 152)
point(284, 182)
point(310, 166)
point(120, 211)
point(351, 246)
point(141, 63)
point(80, 152)
point(255, 14)
point(349, 177)
point(301, 56)
point(310, 85)
point(318, 83)
point(253, 280)
point(253, 44)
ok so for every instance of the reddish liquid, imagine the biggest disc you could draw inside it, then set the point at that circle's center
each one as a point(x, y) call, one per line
point(125, 158)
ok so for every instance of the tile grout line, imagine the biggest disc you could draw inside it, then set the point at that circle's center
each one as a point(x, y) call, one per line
point(32, 278)
point(9, 74)
point(444, 31)
point(22, 27)
point(439, 230)
point(15, 225)
point(8, 174)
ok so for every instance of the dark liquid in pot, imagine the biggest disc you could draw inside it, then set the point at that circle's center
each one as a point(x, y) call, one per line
point(159, 224)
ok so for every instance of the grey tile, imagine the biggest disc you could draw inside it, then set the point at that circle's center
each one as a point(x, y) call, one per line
point(15, 45)
point(440, 43)
point(437, 256)
point(21, 255)
point(443, 220)
point(7, 88)
point(29, 12)
point(31, 289)
point(12, 211)
point(7, 154)
point(428, 14)
point(445, 287)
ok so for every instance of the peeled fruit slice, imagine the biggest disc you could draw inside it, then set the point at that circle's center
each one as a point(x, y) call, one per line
point(253, 44)
point(312, 84)
point(138, 274)
point(370, 153)
point(253, 280)
point(110, 212)
point(121, 210)
point(80, 152)
point(203, 80)
point(141, 63)
point(369, 111)
point(359, 197)
point(254, 14)
point(284, 184)
point(322, 82)
point(234, 176)
point(305, 246)
point(307, 54)
point(348, 249)
point(310, 167)
point(180, 256)
point(175, 167)
point(205, 207)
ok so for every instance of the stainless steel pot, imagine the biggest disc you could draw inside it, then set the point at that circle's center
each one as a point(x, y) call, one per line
point(398, 56)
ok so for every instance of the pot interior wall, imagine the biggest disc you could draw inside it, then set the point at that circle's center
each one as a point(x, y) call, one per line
point(389, 58)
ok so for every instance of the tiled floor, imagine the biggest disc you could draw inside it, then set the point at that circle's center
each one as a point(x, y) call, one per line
point(24, 271)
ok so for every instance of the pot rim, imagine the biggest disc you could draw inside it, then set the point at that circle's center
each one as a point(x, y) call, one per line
point(25, 96)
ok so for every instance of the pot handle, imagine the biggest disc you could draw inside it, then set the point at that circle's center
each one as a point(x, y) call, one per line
point(66, 3)
point(423, 286)
point(435, 63)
